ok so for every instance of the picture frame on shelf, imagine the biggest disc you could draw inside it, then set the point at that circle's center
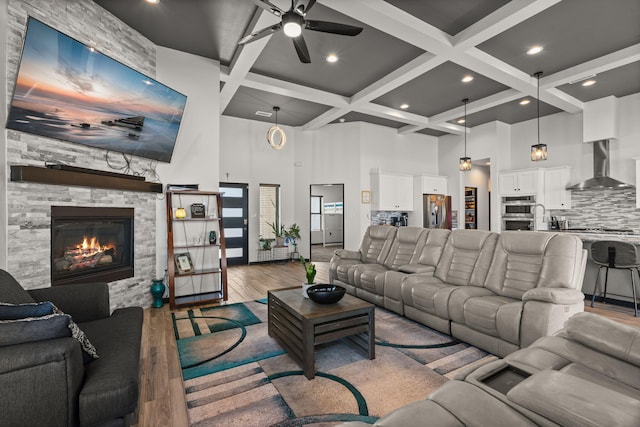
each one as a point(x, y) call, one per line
point(183, 263)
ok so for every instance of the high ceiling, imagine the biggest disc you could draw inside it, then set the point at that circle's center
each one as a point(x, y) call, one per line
point(410, 52)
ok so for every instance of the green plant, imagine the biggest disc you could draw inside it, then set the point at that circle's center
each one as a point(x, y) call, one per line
point(265, 244)
point(310, 270)
point(278, 230)
point(293, 234)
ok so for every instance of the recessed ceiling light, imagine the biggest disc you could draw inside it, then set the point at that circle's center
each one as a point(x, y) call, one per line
point(460, 121)
point(404, 106)
point(341, 120)
point(589, 83)
point(467, 79)
point(153, 1)
point(332, 57)
point(534, 50)
point(525, 102)
point(488, 163)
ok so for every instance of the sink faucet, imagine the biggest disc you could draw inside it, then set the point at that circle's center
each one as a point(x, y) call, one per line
point(535, 215)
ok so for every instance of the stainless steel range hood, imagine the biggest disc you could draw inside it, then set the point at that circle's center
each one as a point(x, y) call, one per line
point(601, 179)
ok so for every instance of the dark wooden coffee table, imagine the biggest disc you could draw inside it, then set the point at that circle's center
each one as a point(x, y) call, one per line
point(299, 324)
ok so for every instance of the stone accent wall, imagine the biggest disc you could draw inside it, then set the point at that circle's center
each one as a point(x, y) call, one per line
point(602, 209)
point(29, 204)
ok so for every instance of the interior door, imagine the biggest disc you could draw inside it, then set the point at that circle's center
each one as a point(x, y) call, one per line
point(235, 218)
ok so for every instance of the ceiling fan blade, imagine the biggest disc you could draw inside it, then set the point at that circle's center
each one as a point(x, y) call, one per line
point(302, 7)
point(257, 35)
point(332, 27)
point(301, 48)
point(269, 7)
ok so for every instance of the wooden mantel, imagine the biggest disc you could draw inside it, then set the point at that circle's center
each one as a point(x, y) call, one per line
point(84, 178)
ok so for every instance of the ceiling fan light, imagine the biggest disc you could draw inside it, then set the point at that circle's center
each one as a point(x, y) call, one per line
point(292, 29)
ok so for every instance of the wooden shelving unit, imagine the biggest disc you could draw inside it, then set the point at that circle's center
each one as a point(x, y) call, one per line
point(205, 278)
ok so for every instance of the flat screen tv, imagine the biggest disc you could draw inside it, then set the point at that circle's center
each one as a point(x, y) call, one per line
point(69, 91)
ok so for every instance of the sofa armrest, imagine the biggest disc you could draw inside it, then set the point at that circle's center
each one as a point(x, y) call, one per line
point(554, 295)
point(41, 382)
point(416, 269)
point(347, 254)
point(84, 302)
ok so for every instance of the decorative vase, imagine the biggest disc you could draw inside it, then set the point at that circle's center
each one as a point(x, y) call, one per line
point(157, 290)
point(306, 286)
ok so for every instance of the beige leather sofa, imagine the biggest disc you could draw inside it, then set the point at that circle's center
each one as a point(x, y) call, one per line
point(587, 374)
point(499, 292)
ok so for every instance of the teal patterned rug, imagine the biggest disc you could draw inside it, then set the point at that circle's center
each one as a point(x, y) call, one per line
point(236, 375)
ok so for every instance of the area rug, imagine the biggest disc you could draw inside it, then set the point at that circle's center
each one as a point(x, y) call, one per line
point(236, 375)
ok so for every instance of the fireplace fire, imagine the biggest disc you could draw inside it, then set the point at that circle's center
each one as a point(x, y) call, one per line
point(91, 244)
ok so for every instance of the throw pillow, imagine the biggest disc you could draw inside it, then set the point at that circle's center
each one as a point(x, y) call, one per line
point(21, 311)
point(39, 321)
point(11, 291)
point(29, 329)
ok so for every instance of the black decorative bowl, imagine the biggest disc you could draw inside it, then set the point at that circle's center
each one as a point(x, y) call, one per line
point(326, 294)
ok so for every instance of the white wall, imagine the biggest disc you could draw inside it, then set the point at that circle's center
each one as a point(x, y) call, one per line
point(196, 158)
point(488, 141)
point(562, 133)
point(247, 157)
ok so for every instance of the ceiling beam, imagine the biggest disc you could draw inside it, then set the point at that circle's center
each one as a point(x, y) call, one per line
point(245, 57)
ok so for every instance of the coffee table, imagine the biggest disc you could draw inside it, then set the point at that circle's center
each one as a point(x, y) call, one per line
point(299, 324)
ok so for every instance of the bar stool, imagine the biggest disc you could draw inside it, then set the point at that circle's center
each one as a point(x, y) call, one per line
point(615, 254)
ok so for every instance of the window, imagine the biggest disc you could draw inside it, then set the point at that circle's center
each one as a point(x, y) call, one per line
point(269, 209)
point(316, 213)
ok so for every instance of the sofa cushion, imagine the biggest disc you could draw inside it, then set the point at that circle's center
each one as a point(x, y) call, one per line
point(428, 294)
point(496, 315)
point(405, 247)
point(572, 401)
point(376, 243)
point(434, 244)
point(11, 291)
point(342, 269)
point(466, 257)
point(111, 382)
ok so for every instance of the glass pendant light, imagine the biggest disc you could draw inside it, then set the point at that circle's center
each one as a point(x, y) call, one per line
point(465, 162)
point(275, 136)
point(538, 151)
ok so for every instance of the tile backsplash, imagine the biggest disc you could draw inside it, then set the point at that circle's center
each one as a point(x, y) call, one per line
point(601, 209)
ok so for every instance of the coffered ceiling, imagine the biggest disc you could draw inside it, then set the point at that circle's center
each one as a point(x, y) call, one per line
point(409, 52)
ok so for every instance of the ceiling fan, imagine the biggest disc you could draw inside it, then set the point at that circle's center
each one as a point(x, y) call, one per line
point(293, 21)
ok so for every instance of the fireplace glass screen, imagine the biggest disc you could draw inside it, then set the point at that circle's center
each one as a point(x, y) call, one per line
point(91, 244)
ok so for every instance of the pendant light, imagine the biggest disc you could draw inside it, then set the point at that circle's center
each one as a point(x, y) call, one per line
point(465, 162)
point(275, 136)
point(538, 151)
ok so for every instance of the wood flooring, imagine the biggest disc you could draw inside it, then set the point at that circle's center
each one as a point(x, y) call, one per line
point(162, 401)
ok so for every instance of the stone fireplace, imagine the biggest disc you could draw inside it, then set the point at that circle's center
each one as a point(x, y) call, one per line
point(91, 244)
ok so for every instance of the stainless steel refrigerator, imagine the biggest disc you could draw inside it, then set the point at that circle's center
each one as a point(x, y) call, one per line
point(436, 209)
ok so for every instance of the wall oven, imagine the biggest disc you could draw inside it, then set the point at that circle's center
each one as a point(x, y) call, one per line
point(518, 213)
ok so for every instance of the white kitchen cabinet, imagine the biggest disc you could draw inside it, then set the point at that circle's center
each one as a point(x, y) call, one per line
point(391, 192)
point(556, 195)
point(520, 182)
point(434, 184)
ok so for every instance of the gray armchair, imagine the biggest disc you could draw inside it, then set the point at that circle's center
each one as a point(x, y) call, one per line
point(51, 382)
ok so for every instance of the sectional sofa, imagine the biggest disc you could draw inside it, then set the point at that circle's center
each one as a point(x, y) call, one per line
point(586, 375)
point(498, 292)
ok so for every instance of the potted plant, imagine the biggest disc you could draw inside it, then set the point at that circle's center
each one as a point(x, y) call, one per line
point(278, 231)
point(310, 271)
point(265, 244)
point(292, 235)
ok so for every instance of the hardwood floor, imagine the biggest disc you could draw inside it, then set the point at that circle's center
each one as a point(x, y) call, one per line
point(161, 393)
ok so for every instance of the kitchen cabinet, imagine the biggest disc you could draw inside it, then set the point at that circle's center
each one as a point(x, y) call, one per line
point(520, 182)
point(556, 195)
point(391, 192)
point(434, 184)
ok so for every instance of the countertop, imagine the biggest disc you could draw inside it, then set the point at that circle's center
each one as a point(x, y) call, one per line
point(597, 236)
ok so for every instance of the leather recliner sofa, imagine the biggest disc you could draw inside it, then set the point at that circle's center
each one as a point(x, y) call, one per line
point(586, 375)
point(499, 292)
